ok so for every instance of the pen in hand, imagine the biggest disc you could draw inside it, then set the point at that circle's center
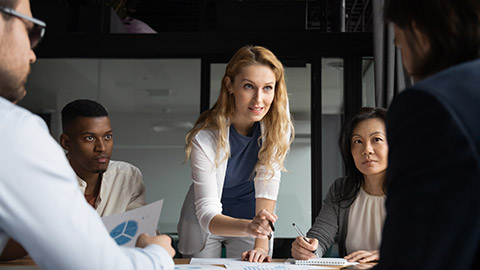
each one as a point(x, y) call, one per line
point(304, 237)
point(273, 229)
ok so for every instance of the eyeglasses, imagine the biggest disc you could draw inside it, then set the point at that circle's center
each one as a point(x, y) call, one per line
point(35, 33)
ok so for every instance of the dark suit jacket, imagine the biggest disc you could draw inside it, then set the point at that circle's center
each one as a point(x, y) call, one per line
point(433, 202)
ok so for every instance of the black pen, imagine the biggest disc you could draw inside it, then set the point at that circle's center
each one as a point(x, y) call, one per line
point(273, 229)
point(304, 238)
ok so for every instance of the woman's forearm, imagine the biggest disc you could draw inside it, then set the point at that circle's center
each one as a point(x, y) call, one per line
point(228, 226)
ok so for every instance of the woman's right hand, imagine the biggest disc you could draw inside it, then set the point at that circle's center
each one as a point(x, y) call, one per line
point(261, 225)
point(302, 250)
point(162, 240)
point(363, 256)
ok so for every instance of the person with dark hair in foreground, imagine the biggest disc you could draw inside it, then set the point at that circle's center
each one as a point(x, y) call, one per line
point(41, 206)
point(109, 186)
point(433, 127)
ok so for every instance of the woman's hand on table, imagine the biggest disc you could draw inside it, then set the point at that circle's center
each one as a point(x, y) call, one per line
point(363, 256)
point(256, 255)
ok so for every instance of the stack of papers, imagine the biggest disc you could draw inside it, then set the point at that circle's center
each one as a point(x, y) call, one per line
point(238, 264)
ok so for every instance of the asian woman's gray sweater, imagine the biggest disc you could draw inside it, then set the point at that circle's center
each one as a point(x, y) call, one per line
point(332, 220)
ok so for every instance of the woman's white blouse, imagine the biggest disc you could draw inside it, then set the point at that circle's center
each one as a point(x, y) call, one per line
point(365, 222)
point(208, 179)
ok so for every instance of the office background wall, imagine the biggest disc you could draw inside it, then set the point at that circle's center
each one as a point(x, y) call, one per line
point(152, 104)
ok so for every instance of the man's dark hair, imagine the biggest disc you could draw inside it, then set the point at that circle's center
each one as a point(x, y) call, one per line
point(451, 26)
point(81, 107)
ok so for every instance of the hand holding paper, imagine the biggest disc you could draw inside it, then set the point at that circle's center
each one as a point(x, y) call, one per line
point(126, 227)
point(162, 240)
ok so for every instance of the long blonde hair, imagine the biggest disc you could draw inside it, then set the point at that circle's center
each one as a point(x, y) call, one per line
point(277, 121)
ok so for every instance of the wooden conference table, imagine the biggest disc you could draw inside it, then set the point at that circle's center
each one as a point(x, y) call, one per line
point(29, 264)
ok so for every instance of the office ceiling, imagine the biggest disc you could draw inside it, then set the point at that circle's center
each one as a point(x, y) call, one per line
point(266, 15)
point(211, 15)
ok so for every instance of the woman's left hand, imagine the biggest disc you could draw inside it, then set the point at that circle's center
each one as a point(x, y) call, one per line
point(363, 256)
point(256, 255)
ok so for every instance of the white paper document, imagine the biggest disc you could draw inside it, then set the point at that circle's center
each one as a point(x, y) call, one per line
point(220, 261)
point(270, 266)
point(197, 267)
point(321, 261)
point(238, 264)
point(126, 227)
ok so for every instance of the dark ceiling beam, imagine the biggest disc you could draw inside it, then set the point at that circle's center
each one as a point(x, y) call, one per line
point(338, 15)
point(221, 46)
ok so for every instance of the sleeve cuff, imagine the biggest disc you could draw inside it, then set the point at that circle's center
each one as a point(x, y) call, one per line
point(166, 262)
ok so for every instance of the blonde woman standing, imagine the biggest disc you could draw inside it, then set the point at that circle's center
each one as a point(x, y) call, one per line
point(237, 149)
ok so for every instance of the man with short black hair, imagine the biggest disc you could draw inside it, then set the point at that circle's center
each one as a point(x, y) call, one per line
point(109, 186)
point(41, 206)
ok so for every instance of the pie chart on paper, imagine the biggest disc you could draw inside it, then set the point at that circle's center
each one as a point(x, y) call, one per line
point(124, 232)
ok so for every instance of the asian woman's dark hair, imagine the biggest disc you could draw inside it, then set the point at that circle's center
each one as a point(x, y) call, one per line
point(451, 26)
point(353, 177)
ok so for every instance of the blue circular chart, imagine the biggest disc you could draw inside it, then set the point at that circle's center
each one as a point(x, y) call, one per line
point(124, 232)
